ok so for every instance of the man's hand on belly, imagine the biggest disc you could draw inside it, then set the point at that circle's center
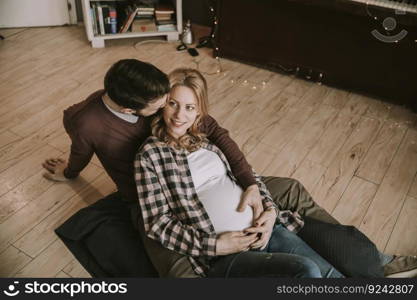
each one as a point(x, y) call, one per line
point(251, 197)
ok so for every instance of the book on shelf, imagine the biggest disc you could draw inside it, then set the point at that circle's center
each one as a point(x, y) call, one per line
point(141, 17)
point(167, 27)
point(143, 25)
point(103, 17)
point(129, 20)
point(165, 22)
point(93, 17)
point(113, 20)
point(163, 17)
point(100, 19)
point(106, 17)
point(164, 8)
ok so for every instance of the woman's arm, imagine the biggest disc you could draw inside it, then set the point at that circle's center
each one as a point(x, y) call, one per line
point(160, 222)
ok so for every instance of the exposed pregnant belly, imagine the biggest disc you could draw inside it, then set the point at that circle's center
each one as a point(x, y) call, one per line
point(221, 199)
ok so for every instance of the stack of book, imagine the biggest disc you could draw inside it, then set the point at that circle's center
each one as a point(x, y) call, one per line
point(103, 18)
point(145, 19)
point(164, 15)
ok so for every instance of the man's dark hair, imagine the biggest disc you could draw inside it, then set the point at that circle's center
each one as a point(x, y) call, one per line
point(133, 84)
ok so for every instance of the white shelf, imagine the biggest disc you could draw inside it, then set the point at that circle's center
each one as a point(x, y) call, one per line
point(98, 41)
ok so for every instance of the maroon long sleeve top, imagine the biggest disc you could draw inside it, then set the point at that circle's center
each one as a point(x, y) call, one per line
point(94, 129)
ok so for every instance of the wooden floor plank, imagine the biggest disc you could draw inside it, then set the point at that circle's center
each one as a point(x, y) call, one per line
point(298, 87)
point(314, 96)
point(7, 138)
point(334, 181)
point(36, 106)
point(22, 194)
point(309, 173)
point(356, 105)
point(402, 116)
point(355, 202)
point(276, 136)
point(385, 208)
point(405, 230)
point(24, 169)
point(413, 189)
point(51, 261)
point(38, 209)
point(292, 155)
point(336, 98)
point(11, 260)
point(62, 274)
point(381, 153)
point(333, 138)
point(42, 235)
point(377, 109)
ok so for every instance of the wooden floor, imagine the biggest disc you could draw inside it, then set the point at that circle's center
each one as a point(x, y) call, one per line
point(356, 155)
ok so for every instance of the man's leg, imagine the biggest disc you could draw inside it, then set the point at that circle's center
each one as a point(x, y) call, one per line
point(290, 194)
point(284, 241)
point(168, 263)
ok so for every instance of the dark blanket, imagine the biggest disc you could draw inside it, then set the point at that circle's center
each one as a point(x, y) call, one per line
point(103, 239)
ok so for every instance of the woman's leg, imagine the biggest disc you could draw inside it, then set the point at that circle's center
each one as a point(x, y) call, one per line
point(261, 264)
point(285, 241)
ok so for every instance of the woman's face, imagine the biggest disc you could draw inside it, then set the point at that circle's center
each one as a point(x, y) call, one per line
point(180, 111)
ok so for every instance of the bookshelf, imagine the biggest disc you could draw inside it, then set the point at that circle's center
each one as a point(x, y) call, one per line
point(98, 40)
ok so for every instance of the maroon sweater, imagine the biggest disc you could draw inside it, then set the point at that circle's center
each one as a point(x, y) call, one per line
point(94, 129)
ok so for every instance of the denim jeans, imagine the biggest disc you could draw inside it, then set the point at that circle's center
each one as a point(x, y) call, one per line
point(286, 255)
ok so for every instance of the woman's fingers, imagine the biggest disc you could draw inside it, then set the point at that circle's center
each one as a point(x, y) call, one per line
point(261, 242)
point(248, 240)
point(260, 229)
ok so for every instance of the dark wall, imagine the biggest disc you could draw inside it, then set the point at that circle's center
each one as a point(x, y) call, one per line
point(197, 11)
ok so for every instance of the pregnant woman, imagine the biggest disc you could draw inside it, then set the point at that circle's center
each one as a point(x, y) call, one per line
point(189, 197)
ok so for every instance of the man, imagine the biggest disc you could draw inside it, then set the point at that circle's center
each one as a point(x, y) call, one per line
point(113, 124)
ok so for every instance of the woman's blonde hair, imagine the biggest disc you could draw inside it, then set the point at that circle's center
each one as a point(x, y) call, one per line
point(193, 139)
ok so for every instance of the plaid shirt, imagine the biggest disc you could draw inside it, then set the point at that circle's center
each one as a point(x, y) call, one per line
point(171, 210)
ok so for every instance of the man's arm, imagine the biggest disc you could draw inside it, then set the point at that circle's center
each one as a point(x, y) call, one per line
point(237, 161)
point(81, 149)
point(80, 155)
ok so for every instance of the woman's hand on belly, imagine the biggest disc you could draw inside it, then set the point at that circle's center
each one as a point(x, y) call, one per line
point(234, 241)
point(263, 227)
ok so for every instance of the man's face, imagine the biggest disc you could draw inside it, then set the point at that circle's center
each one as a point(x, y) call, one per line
point(152, 107)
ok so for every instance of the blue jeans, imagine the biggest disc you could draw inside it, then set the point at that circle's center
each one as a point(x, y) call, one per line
point(286, 255)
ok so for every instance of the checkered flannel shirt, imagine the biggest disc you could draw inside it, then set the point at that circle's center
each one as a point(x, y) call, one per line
point(171, 210)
